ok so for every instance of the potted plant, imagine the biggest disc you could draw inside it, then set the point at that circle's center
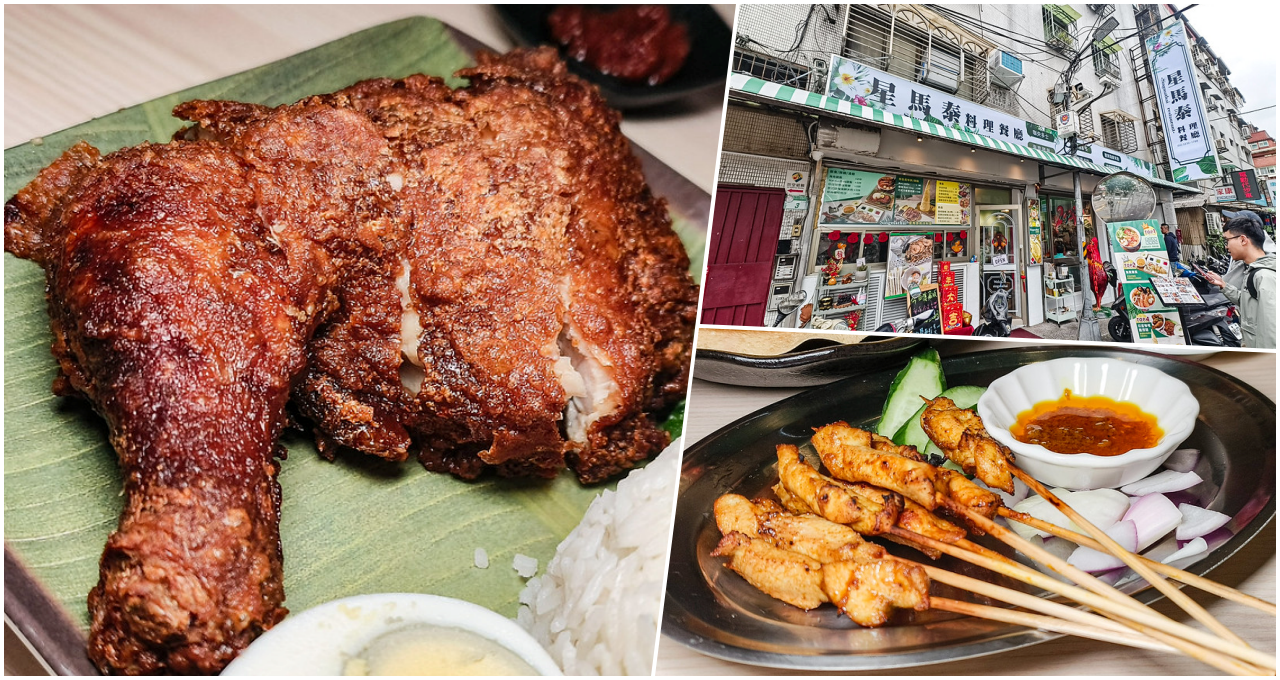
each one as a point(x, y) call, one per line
point(860, 272)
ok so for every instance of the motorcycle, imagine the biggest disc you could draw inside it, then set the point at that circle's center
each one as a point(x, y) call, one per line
point(995, 316)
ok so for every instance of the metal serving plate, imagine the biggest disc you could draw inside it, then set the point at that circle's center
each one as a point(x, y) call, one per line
point(714, 611)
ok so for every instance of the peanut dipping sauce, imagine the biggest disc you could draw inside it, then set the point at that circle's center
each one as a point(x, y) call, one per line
point(1096, 425)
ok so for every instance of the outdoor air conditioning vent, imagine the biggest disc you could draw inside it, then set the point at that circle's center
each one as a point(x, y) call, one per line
point(1006, 69)
point(1109, 82)
point(848, 139)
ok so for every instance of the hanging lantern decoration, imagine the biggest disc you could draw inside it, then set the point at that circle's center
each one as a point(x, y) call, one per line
point(937, 237)
point(869, 239)
point(853, 238)
point(834, 235)
point(884, 237)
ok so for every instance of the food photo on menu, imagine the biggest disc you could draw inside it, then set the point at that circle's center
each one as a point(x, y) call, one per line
point(370, 359)
point(896, 502)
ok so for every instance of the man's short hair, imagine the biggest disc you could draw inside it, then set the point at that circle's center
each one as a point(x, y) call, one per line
point(1247, 227)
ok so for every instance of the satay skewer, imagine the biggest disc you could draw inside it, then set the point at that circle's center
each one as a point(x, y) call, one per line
point(1196, 644)
point(1128, 605)
point(1049, 623)
point(976, 451)
point(1131, 560)
point(1213, 587)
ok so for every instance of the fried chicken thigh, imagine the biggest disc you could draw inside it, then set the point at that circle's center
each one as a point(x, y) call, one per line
point(479, 276)
point(182, 318)
point(540, 308)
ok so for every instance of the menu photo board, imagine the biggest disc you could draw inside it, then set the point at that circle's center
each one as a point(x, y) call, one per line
point(1151, 320)
point(1176, 290)
point(851, 197)
point(930, 201)
point(1139, 254)
point(924, 307)
point(1035, 240)
point(910, 263)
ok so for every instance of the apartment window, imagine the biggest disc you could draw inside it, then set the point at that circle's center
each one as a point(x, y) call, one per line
point(1105, 62)
point(1119, 131)
point(772, 70)
point(906, 43)
point(1058, 22)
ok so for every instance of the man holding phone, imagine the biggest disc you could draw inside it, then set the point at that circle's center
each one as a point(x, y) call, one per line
point(1251, 286)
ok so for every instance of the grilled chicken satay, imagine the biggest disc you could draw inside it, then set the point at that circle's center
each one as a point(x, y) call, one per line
point(958, 488)
point(849, 454)
point(866, 509)
point(780, 574)
point(961, 436)
point(855, 575)
point(805, 490)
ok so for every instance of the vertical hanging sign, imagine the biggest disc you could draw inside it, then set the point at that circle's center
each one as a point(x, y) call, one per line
point(1191, 148)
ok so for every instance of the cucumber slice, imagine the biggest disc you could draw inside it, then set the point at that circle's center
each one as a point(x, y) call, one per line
point(922, 377)
point(965, 396)
point(912, 432)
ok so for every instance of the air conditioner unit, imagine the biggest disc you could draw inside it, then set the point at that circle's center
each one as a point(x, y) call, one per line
point(1222, 146)
point(1109, 82)
point(1102, 10)
point(1006, 69)
point(1067, 124)
point(846, 140)
point(941, 73)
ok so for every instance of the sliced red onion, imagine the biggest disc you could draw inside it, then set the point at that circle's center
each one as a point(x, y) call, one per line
point(1192, 548)
point(1043, 510)
point(1162, 482)
point(1154, 517)
point(1093, 561)
point(1197, 522)
point(1183, 460)
point(1060, 548)
point(1102, 507)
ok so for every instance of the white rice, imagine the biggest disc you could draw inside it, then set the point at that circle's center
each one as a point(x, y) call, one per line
point(482, 558)
point(524, 565)
point(596, 608)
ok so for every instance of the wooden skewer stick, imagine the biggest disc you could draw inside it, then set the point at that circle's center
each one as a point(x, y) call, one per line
point(1021, 618)
point(1134, 618)
point(1109, 544)
point(1225, 592)
point(1104, 629)
point(1130, 609)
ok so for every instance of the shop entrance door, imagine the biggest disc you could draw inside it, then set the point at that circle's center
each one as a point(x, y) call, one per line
point(744, 240)
point(1000, 235)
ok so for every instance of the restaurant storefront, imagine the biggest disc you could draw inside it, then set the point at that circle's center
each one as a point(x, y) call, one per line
point(889, 202)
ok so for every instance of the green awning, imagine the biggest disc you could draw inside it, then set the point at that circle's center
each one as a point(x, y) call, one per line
point(1108, 45)
point(1064, 12)
point(757, 89)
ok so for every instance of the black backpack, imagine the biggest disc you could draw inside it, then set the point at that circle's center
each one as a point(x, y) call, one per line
point(1249, 285)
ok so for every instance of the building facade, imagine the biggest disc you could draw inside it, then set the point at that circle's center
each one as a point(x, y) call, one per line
point(854, 132)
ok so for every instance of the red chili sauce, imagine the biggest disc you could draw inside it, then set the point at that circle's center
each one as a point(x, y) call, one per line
point(1096, 425)
point(634, 43)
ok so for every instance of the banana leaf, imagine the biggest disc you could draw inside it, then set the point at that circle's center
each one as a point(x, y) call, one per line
point(353, 526)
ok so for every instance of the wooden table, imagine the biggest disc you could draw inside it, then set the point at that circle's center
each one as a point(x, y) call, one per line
point(1252, 570)
point(64, 65)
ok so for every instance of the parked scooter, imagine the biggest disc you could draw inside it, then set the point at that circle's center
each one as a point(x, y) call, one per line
point(995, 316)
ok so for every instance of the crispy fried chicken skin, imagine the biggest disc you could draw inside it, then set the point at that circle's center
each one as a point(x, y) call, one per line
point(539, 309)
point(182, 318)
point(961, 436)
point(478, 276)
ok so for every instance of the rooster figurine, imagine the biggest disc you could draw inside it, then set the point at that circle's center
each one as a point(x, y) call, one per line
point(1097, 275)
